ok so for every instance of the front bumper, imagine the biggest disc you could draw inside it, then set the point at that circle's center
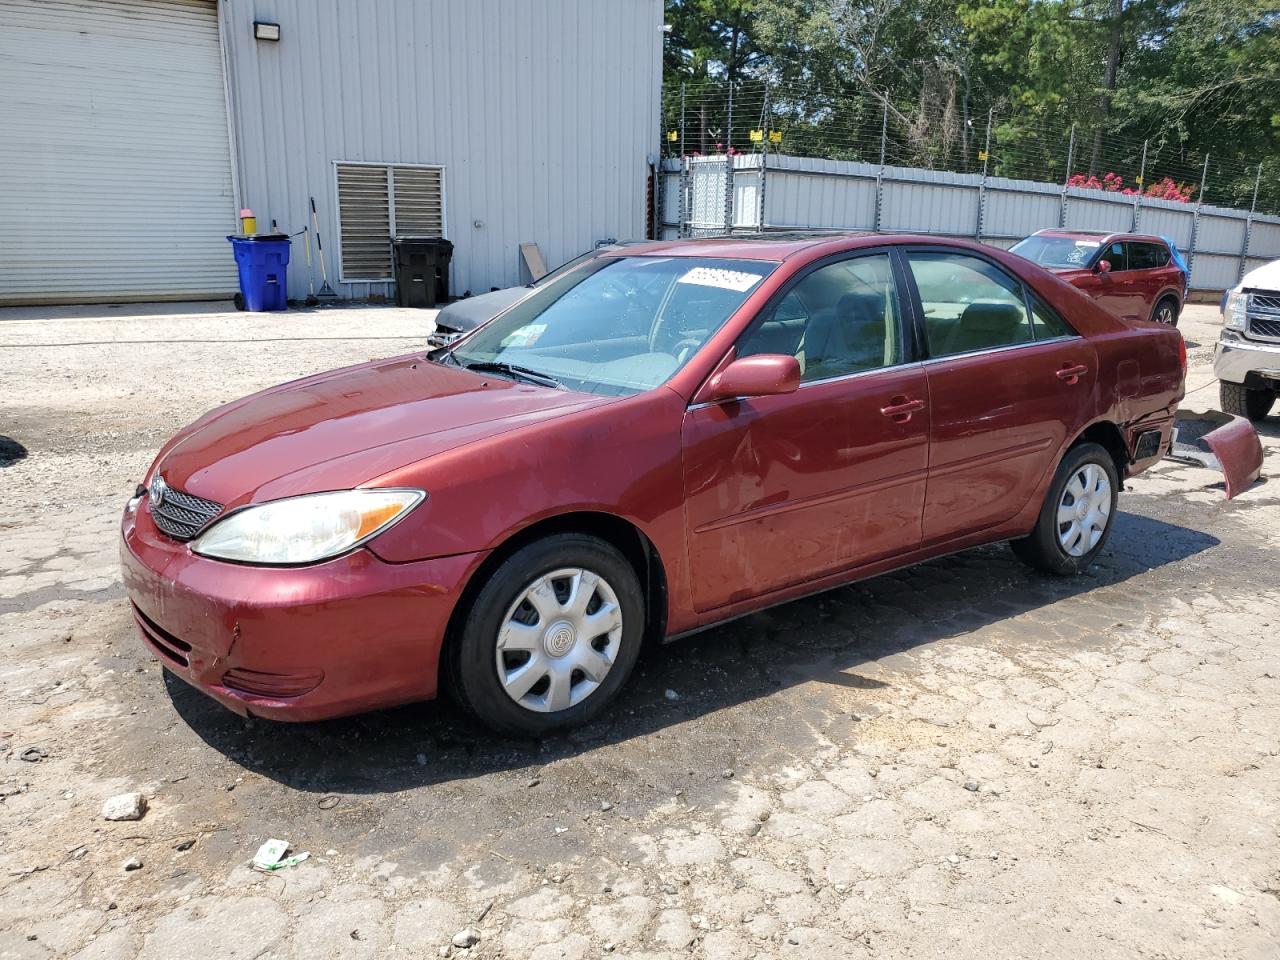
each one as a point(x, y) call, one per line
point(1248, 362)
point(300, 643)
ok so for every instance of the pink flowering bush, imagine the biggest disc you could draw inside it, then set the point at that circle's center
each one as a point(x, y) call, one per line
point(1164, 189)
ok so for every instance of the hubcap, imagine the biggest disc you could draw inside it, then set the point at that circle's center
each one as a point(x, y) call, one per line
point(559, 640)
point(1084, 510)
point(1165, 315)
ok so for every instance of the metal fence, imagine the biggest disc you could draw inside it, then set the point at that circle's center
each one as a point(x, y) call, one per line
point(773, 165)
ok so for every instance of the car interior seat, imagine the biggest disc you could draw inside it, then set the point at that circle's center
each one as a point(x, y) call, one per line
point(985, 324)
point(850, 336)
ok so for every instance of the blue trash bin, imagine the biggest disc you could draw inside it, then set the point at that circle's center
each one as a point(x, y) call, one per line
point(263, 262)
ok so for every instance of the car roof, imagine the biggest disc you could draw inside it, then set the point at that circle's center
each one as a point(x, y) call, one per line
point(777, 245)
point(1098, 235)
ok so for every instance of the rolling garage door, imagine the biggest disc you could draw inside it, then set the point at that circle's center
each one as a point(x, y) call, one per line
point(115, 167)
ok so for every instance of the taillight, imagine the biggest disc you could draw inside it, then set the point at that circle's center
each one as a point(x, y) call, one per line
point(1182, 354)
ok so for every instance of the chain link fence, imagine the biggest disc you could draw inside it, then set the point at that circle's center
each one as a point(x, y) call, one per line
point(756, 156)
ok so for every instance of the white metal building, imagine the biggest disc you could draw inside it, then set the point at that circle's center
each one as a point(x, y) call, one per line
point(135, 130)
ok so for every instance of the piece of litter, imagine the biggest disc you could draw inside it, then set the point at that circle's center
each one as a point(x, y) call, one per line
point(271, 856)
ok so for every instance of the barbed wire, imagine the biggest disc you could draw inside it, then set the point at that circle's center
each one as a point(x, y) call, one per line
point(803, 120)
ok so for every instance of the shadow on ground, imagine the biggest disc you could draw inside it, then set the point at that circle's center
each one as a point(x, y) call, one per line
point(819, 639)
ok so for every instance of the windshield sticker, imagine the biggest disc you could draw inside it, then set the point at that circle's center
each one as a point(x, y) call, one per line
point(737, 280)
point(526, 336)
point(1080, 252)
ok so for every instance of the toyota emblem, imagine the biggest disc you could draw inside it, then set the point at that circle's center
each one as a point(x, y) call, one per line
point(157, 490)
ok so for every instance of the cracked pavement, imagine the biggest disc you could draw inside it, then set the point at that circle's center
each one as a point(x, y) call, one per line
point(963, 759)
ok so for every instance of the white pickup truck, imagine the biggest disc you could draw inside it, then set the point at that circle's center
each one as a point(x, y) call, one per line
point(1247, 358)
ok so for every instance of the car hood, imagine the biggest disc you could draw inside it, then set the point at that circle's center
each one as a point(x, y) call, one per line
point(463, 316)
point(1265, 277)
point(340, 429)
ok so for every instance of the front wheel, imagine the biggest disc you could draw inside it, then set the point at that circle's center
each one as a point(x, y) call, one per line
point(1243, 402)
point(1076, 517)
point(550, 638)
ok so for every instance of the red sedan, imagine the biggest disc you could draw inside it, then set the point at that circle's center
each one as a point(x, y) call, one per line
point(667, 437)
point(1136, 276)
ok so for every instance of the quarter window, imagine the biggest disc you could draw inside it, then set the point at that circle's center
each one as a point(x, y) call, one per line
point(842, 318)
point(1046, 322)
point(969, 304)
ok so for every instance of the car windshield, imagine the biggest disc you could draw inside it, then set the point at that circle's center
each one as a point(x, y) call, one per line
point(615, 325)
point(1056, 251)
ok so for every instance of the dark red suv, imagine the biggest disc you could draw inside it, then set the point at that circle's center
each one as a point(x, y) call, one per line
point(1135, 276)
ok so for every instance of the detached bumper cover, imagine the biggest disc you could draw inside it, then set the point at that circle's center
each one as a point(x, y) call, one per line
point(1219, 441)
point(303, 643)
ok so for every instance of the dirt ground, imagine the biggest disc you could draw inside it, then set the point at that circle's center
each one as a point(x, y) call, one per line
point(964, 759)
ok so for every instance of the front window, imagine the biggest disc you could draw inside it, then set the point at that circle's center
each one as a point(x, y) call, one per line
point(615, 325)
point(840, 319)
point(1057, 252)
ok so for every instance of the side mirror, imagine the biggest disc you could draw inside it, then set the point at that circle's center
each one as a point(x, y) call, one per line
point(1103, 266)
point(765, 375)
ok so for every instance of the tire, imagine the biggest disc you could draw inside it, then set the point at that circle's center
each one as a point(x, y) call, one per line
point(1243, 402)
point(1051, 546)
point(1166, 312)
point(550, 640)
point(238, 300)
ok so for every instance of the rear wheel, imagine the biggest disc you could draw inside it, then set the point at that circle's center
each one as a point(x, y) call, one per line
point(1076, 517)
point(1166, 312)
point(1243, 402)
point(550, 638)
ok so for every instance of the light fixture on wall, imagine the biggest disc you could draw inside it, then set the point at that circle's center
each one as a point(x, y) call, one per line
point(266, 31)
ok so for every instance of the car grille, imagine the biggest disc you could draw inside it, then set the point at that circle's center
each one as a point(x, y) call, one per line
point(182, 516)
point(1264, 315)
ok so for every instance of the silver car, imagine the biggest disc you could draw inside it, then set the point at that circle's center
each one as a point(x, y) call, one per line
point(463, 316)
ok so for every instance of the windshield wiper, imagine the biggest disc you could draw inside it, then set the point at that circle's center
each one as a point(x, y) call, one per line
point(515, 372)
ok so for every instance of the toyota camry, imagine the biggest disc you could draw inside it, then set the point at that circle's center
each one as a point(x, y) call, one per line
point(664, 438)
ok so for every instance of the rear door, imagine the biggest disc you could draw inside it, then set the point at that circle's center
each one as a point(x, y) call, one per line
point(783, 489)
point(1008, 384)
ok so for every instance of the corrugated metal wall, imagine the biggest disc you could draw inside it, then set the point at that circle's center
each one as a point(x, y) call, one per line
point(801, 192)
point(543, 114)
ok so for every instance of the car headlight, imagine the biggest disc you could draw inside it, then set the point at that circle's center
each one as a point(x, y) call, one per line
point(1236, 311)
point(305, 529)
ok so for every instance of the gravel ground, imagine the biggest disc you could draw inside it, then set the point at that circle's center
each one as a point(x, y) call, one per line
point(963, 759)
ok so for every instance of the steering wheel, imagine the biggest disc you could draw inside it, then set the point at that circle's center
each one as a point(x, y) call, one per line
point(680, 346)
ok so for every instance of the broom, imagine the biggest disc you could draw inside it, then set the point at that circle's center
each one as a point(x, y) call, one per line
point(326, 291)
point(312, 299)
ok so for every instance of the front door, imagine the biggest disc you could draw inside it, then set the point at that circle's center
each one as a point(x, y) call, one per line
point(1008, 381)
point(784, 489)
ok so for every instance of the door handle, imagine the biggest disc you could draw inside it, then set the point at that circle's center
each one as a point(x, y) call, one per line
point(1072, 372)
point(901, 409)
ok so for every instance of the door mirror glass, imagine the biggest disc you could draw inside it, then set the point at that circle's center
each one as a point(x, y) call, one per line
point(764, 375)
point(1104, 266)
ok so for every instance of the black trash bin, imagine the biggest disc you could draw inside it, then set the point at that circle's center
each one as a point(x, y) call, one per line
point(422, 270)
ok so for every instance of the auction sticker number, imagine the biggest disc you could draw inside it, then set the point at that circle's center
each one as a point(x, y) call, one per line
point(737, 280)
